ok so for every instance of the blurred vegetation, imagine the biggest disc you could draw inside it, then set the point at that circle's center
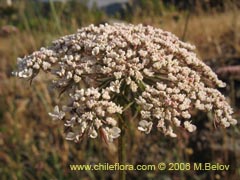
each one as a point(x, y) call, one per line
point(33, 147)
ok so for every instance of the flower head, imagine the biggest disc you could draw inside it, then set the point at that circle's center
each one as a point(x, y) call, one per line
point(145, 126)
point(57, 114)
point(105, 67)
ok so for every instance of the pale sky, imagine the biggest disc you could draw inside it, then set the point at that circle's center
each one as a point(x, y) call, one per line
point(99, 2)
point(106, 2)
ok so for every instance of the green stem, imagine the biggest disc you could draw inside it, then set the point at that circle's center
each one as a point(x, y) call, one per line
point(122, 149)
point(232, 92)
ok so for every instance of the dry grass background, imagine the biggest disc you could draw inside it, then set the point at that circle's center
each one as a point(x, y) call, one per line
point(33, 147)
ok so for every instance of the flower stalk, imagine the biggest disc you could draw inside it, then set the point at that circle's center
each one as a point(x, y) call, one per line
point(122, 149)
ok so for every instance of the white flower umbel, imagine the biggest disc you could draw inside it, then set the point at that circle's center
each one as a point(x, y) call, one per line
point(91, 112)
point(112, 133)
point(104, 68)
point(145, 126)
point(57, 114)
